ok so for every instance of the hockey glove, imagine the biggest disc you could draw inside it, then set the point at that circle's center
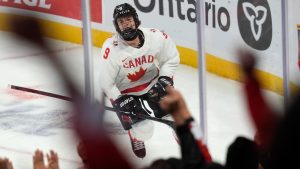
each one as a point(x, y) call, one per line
point(127, 104)
point(158, 90)
point(128, 107)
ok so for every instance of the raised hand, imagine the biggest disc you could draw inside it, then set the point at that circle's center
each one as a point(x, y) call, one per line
point(52, 158)
point(175, 105)
point(39, 162)
point(5, 163)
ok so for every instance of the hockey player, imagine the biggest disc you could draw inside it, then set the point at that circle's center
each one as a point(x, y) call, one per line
point(136, 65)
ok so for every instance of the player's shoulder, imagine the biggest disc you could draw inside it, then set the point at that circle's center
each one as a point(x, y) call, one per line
point(152, 31)
point(110, 42)
point(155, 33)
point(109, 48)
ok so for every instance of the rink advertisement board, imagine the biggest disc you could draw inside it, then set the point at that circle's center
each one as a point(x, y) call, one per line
point(65, 8)
point(229, 25)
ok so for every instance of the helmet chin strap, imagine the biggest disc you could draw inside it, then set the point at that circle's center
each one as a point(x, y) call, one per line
point(129, 34)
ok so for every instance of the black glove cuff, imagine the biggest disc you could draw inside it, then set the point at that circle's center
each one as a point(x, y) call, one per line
point(165, 80)
point(184, 127)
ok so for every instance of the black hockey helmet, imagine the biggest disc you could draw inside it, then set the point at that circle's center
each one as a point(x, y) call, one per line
point(123, 10)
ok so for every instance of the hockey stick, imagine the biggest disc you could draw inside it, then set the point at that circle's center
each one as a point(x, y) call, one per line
point(61, 97)
point(29, 90)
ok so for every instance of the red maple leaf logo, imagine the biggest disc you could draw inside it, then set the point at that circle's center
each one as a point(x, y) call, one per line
point(136, 75)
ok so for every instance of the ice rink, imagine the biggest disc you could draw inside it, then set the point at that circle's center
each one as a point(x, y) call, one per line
point(29, 121)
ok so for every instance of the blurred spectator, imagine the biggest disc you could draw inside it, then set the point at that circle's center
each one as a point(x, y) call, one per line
point(214, 165)
point(5, 163)
point(285, 145)
point(264, 153)
point(194, 152)
point(81, 150)
point(242, 153)
point(264, 117)
point(100, 150)
point(39, 162)
point(171, 163)
point(278, 137)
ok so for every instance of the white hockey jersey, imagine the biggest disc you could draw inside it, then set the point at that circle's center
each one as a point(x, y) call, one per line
point(128, 70)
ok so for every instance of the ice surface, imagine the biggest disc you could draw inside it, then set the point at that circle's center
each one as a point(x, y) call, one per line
point(29, 121)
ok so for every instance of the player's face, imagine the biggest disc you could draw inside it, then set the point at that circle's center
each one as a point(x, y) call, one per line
point(126, 22)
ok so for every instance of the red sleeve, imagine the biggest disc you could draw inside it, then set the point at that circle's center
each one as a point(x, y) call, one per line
point(264, 118)
point(197, 134)
point(204, 150)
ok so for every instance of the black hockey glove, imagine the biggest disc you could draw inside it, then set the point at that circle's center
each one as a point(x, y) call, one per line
point(158, 90)
point(128, 107)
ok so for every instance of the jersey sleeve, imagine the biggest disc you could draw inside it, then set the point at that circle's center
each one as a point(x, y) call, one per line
point(193, 150)
point(108, 71)
point(168, 57)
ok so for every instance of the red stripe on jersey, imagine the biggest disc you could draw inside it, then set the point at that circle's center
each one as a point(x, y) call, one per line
point(139, 87)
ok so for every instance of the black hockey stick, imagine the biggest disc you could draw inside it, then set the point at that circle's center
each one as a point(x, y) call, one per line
point(29, 90)
point(61, 97)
